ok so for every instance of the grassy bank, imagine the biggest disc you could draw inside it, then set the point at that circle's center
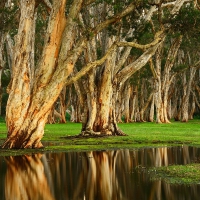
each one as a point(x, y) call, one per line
point(138, 135)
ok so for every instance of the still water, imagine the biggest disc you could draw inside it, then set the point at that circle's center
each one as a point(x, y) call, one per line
point(95, 175)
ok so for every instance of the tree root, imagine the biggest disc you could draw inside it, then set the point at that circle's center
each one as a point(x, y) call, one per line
point(14, 144)
point(93, 134)
point(120, 133)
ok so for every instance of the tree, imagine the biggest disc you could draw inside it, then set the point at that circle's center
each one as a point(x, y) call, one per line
point(34, 88)
point(104, 85)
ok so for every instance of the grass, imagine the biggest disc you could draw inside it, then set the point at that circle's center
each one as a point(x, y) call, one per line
point(179, 174)
point(138, 135)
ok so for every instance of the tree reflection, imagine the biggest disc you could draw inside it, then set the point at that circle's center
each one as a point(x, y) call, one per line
point(101, 177)
point(25, 179)
point(120, 174)
point(115, 174)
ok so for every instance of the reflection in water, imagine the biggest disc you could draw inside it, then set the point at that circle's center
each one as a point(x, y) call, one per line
point(116, 174)
point(25, 179)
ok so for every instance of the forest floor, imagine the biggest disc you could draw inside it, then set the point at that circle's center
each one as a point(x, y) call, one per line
point(60, 138)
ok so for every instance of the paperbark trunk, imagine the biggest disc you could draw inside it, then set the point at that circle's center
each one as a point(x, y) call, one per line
point(102, 122)
point(193, 107)
point(2, 64)
point(187, 91)
point(133, 102)
point(164, 81)
point(32, 94)
point(126, 97)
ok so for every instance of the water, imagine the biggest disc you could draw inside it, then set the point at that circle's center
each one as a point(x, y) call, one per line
point(97, 175)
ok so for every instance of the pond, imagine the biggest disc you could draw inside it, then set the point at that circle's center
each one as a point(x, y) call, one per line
point(95, 175)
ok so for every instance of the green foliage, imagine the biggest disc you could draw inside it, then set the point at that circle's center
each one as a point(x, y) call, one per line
point(5, 80)
point(187, 21)
point(9, 19)
point(180, 67)
point(2, 120)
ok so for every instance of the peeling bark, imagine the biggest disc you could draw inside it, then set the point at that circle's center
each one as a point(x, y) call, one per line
point(30, 99)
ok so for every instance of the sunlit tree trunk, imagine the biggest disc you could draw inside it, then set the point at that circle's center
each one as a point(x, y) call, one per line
point(158, 97)
point(32, 95)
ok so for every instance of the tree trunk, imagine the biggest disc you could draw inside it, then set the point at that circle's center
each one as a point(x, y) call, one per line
point(34, 89)
point(144, 107)
point(62, 106)
point(164, 81)
point(126, 97)
point(158, 93)
point(102, 122)
point(151, 114)
point(187, 91)
point(193, 107)
point(30, 100)
point(119, 107)
point(2, 64)
point(133, 102)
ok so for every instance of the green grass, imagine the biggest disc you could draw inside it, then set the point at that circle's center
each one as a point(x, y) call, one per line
point(179, 174)
point(138, 135)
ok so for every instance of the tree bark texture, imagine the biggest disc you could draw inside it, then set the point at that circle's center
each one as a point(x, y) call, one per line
point(31, 96)
point(164, 80)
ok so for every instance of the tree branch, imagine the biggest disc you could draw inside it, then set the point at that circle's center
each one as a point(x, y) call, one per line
point(177, 6)
point(48, 4)
point(145, 46)
point(129, 70)
point(90, 65)
point(114, 19)
point(88, 2)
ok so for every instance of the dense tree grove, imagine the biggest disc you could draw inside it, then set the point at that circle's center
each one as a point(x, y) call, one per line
point(98, 62)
